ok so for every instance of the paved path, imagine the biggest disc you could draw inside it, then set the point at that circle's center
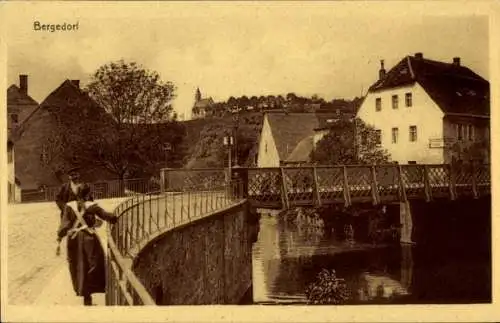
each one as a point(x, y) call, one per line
point(36, 276)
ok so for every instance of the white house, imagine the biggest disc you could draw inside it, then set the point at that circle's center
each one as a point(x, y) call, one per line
point(423, 107)
point(281, 133)
point(288, 138)
point(14, 189)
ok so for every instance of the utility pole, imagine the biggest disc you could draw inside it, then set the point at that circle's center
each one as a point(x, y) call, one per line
point(355, 140)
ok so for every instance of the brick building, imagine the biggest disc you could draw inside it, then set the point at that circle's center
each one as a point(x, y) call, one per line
point(39, 138)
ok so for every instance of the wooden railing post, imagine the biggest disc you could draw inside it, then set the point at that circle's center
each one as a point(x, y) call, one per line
point(375, 193)
point(427, 185)
point(315, 186)
point(453, 182)
point(402, 190)
point(347, 193)
point(284, 191)
point(474, 181)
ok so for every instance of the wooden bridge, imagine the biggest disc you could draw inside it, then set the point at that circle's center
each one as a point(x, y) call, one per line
point(285, 187)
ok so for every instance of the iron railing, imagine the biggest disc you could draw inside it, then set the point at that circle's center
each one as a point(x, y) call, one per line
point(293, 186)
point(101, 189)
point(144, 217)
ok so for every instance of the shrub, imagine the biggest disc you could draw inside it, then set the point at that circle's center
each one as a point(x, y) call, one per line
point(328, 289)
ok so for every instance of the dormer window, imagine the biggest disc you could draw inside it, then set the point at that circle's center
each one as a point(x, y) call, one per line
point(378, 104)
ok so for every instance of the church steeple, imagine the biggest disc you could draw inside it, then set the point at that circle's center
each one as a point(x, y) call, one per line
point(197, 96)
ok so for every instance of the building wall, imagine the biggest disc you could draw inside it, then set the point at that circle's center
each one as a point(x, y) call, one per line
point(208, 261)
point(423, 113)
point(21, 110)
point(481, 129)
point(29, 168)
point(268, 153)
point(14, 191)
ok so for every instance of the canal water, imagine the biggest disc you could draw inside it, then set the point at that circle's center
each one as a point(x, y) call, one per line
point(290, 253)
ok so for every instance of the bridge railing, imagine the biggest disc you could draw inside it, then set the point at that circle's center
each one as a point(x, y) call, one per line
point(144, 217)
point(101, 190)
point(344, 184)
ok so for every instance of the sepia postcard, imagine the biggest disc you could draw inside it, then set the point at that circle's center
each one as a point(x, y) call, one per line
point(253, 161)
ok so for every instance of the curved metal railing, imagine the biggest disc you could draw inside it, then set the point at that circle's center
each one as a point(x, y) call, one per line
point(143, 217)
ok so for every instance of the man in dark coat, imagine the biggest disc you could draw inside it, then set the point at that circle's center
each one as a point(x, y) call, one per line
point(85, 253)
point(69, 190)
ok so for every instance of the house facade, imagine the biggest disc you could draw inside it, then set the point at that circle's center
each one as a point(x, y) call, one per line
point(19, 103)
point(13, 184)
point(287, 138)
point(39, 138)
point(428, 112)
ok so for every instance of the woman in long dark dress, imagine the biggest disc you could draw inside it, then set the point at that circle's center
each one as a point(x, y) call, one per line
point(85, 253)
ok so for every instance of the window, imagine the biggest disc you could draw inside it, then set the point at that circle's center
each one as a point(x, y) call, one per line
point(378, 104)
point(413, 133)
point(471, 132)
point(460, 132)
point(265, 147)
point(395, 133)
point(408, 99)
point(378, 137)
point(14, 118)
point(395, 101)
point(10, 156)
point(412, 162)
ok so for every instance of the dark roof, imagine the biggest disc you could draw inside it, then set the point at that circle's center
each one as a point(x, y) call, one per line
point(288, 129)
point(203, 103)
point(302, 152)
point(16, 97)
point(454, 88)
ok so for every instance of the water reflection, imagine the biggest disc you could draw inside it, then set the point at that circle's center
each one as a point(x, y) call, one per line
point(292, 249)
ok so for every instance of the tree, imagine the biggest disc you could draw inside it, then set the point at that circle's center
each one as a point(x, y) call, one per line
point(465, 154)
point(211, 152)
point(134, 99)
point(349, 142)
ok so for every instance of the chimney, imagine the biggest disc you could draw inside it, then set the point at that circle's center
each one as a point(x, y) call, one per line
point(76, 83)
point(456, 61)
point(419, 55)
point(23, 83)
point(381, 73)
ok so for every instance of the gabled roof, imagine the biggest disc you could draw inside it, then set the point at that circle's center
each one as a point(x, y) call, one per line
point(454, 88)
point(302, 152)
point(16, 97)
point(288, 129)
point(203, 103)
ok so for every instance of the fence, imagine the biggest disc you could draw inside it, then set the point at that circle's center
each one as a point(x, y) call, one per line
point(145, 217)
point(286, 186)
point(100, 190)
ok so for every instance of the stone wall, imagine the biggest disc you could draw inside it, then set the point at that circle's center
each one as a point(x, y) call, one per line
point(208, 261)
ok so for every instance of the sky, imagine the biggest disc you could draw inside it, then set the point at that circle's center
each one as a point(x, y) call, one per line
point(324, 48)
